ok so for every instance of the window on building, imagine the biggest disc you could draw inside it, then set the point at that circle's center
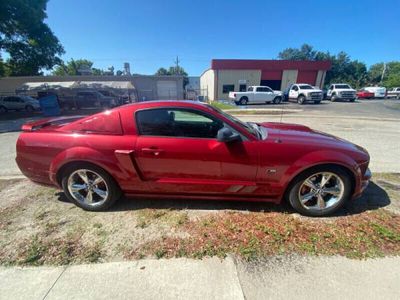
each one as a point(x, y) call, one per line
point(242, 88)
point(174, 122)
point(226, 88)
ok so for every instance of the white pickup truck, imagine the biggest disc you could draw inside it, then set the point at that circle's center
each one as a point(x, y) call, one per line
point(256, 94)
point(341, 91)
point(394, 93)
point(302, 92)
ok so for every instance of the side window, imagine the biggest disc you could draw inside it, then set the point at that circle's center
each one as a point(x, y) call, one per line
point(262, 89)
point(250, 89)
point(175, 122)
point(226, 88)
point(268, 90)
point(331, 87)
point(295, 88)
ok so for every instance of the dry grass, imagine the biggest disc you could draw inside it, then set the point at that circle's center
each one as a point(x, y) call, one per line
point(37, 226)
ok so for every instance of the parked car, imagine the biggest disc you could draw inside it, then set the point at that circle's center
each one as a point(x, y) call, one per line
point(341, 91)
point(88, 99)
point(18, 103)
point(394, 93)
point(185, 149)
point(256, 94)
point(302, 92)
point(364, 94)
point(379, 92)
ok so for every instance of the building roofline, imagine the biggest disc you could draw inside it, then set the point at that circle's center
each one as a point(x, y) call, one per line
point(271, 64)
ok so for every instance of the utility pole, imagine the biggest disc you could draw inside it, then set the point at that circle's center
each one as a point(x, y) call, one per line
point(383, 72)
point(176, 65)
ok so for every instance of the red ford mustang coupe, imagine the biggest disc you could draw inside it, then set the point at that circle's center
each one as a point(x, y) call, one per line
point(180, 149)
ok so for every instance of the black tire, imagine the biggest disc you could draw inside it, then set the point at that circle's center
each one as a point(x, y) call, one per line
point(114, 192)
point(243, 101)
point(352, 100)
point(277, 100)
point(3, 109)
point(292, 194)
point(29, 108)
point(317, 102)
point(301, 99)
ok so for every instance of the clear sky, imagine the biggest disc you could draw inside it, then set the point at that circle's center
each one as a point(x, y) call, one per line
point(150, 33)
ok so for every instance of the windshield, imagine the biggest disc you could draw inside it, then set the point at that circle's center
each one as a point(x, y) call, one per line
point(244, 125)
point(306, 87)
point(342, 86)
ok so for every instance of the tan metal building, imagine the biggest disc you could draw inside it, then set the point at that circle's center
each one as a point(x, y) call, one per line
point(147, 87)
point(228, 75)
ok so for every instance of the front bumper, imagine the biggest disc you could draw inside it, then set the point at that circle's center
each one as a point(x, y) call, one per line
point(363, 184)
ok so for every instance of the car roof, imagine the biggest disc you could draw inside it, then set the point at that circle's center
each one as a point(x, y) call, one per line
point(163, 103)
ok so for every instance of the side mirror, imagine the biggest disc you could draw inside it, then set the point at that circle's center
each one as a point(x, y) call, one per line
point(226, 135)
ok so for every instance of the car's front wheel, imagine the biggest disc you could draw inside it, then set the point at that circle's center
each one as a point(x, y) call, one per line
point(301, 100)
point(29, 108)
point(320, 191)
point(90, 187)
point(277, 100)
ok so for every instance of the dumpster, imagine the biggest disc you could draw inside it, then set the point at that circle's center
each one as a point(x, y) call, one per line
point(50, 106)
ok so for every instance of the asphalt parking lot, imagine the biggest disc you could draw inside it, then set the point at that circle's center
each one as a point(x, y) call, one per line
point(376, 108)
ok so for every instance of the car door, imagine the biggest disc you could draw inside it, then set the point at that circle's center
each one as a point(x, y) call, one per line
point(269, 94)
point(11, 102)
point(177, 152)
point(293, 92)
point(260, 95)
point(329, 93)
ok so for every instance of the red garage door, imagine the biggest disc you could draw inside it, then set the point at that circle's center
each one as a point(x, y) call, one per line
point(307, 77)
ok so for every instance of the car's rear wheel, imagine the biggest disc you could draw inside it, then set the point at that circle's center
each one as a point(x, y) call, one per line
point(3, 109)
point(320, 192)
point(90, 187)
point(277, 100)
point(243, 101)
point(29, 108)
point(301, 100)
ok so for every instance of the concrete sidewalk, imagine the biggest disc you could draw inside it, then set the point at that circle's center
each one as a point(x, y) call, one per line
point(212, 278)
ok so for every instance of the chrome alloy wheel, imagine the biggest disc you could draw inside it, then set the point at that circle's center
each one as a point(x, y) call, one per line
point(321, 191)
point(88, 187)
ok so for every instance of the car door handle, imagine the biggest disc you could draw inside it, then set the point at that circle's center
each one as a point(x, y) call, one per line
point(154, 151)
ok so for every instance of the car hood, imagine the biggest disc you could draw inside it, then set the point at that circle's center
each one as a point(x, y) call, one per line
point(345, 90)
point(300, 134)
point(314, 91)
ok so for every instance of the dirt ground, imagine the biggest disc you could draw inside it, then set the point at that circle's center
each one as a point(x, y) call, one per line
point(39, 226)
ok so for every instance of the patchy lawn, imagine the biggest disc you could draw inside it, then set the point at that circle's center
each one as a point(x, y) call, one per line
point(38, 226)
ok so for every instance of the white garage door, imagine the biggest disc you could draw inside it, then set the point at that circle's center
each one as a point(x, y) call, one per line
point(167, 89)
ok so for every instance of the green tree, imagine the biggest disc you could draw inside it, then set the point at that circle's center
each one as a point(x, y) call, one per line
point(305, 52)
point(29, 42)
point(343, 69)
point(73, 66)
point(391, 76)
point(162, 71)
point(174, 70)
